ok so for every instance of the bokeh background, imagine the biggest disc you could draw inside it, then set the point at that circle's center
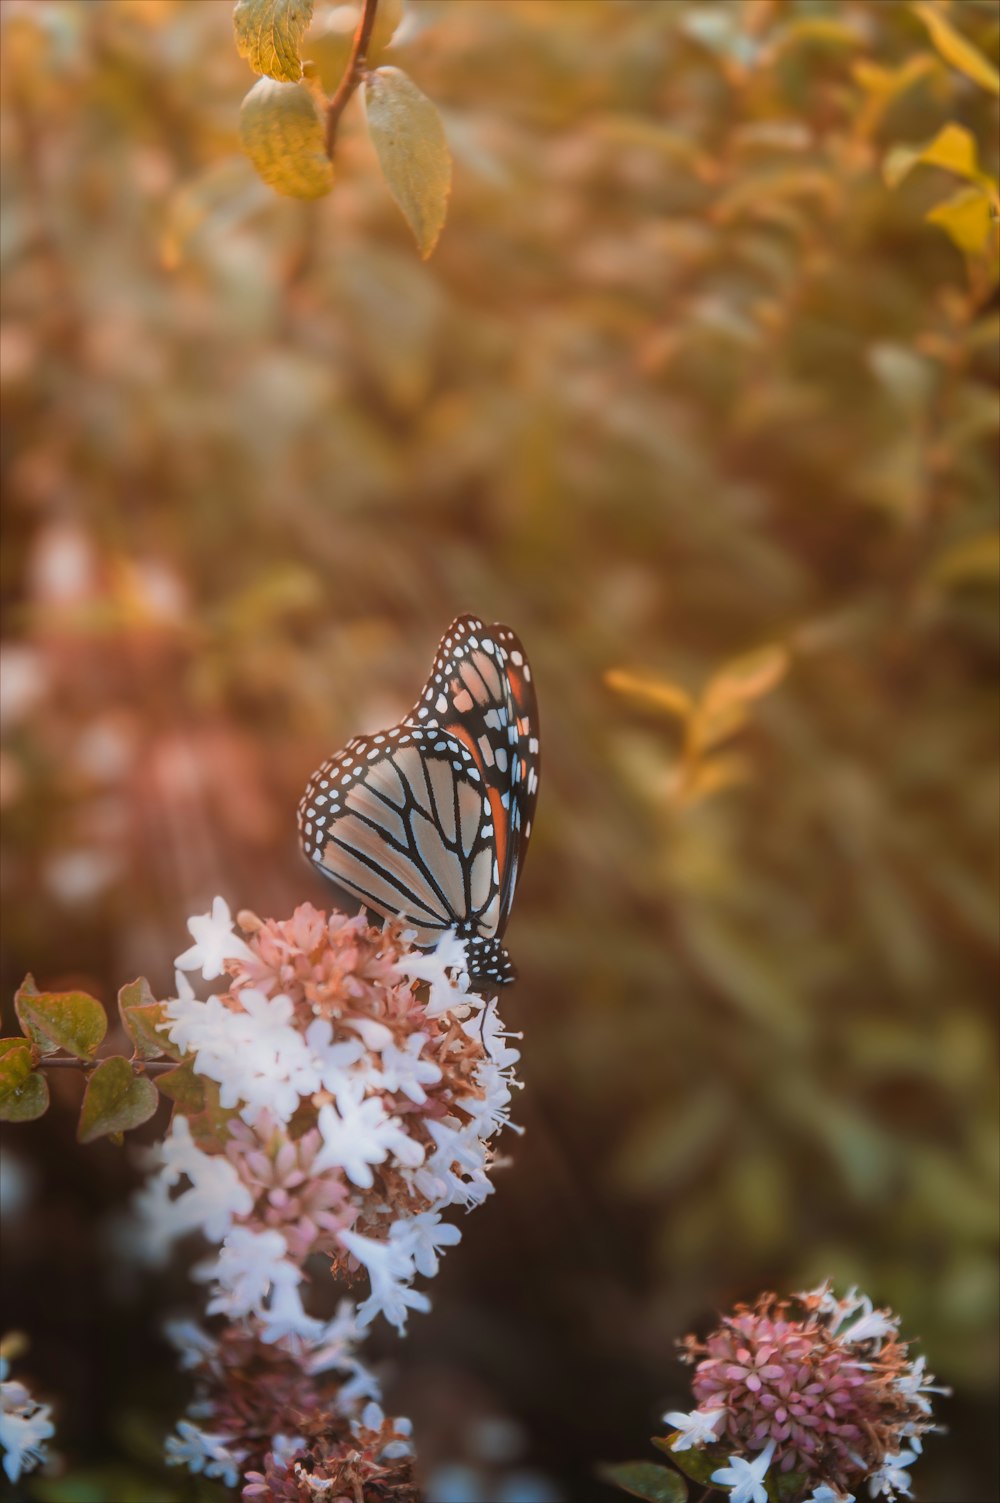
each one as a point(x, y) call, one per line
point(684, 377)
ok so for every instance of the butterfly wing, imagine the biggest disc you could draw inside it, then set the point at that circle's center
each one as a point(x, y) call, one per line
point(480, 692)
point(402, 822)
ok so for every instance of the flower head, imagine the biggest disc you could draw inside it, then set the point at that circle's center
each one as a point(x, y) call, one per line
point(823, 1387)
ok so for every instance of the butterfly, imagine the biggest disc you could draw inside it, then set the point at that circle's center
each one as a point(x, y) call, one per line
point(428, 822)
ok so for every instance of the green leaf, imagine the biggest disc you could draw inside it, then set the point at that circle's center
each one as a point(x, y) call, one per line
point(282, 134)
point(115, 1100)
point(24, 1094)
point(967, 219)
point(697, 1462)
point(645, 1479)
point(955, 49)
point(413, 154)
point(269, 35)
point(185, 1087)
point(144, 1018)
point(73, 1021)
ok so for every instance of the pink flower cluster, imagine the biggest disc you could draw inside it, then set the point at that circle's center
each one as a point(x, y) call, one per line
point(824, 1385)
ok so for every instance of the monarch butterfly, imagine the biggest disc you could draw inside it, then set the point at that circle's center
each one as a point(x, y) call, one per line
point(429, 822)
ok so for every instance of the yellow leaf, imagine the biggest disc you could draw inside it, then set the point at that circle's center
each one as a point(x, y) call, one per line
point(747, 677)
point(967, 218)
point(282, 134)
point(654, 691)
point(269, 33)
point(956, 50)
point(952, 148)
point(715, 774)
point(388, 19)
point(713, 723)
point(973, 561)
point(410, 143)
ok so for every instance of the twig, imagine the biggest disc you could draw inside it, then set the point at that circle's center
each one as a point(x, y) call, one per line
point(353, 74)
point(71, 1062)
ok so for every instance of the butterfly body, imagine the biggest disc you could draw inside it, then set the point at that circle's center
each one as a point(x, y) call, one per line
point(429, 820)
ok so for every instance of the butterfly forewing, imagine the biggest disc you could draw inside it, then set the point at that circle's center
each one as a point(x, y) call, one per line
point(429, 821)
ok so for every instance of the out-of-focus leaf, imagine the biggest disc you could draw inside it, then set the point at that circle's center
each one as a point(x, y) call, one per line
point(747, 971)
point(822, 31)
point(282, 134)
point(747, 677)
point(388, 19)
point(658, 692)
point(956, 49)
point(24, 1093)
point(115, 1100)
point(972, 561)
point(269, 35)
point(673, 1144)
point(953, 148)
point(714, 775)
point(329, 43)
point(143, 1018)
point(114, 1484)
point(968, 218)
point(645, 1479)
point(61, 1020)
point(413, 154)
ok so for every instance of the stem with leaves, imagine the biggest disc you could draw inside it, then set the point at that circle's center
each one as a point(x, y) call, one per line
point(353, 74)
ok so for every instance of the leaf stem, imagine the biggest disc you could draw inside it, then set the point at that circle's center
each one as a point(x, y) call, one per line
point(353, 74)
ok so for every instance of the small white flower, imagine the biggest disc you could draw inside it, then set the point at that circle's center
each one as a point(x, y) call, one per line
point(696, 1429)
point(390, 1269)
point(445, 969)
point(284, 1448)
point(214, 943)
point(285, 1316)
point(353, 1138)
point(404, 1070)
point(914, 1382)
point(873, 1325)
point(201, 1451)
point(215, 1196)
point(25, 1426)
point(824, 1493)
point(423, 1237)
point(892, 1478)
point(250, 1264)
point(746, 1478)
point(192, 1344)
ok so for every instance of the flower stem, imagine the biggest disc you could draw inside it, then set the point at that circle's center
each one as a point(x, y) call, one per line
point(353, 74)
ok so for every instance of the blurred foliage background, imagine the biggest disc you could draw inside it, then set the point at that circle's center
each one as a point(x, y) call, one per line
point(686, 376)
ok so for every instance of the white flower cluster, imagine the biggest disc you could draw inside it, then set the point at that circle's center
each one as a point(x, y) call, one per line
point(25, 1426)
point(268, 1066)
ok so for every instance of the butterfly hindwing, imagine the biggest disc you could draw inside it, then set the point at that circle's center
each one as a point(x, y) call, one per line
point(401, 822)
